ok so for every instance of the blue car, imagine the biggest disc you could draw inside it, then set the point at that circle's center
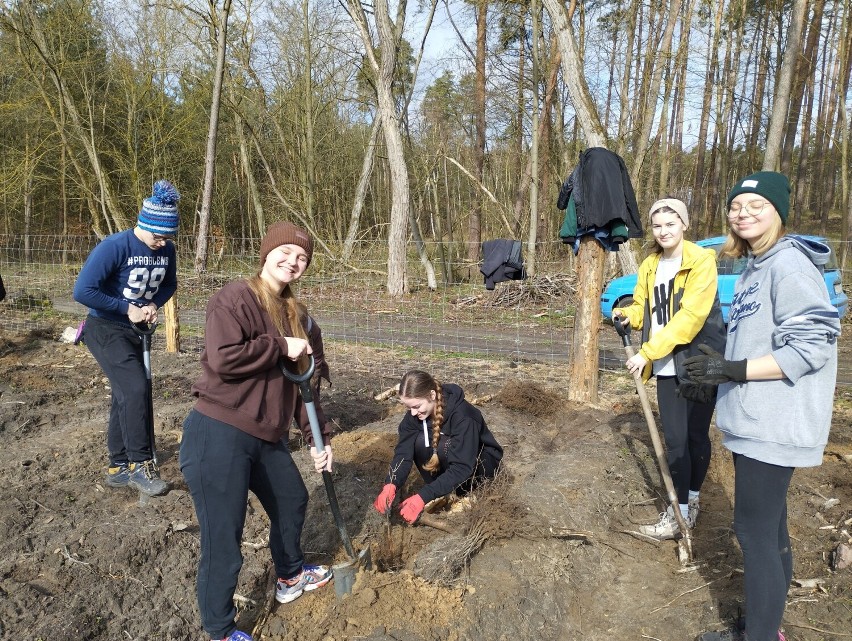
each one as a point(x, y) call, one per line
point(619, 291)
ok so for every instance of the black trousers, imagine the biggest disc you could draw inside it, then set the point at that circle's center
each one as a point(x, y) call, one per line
point(221, 464)
point(118, 350)
point(760, 521)
point(686, 427)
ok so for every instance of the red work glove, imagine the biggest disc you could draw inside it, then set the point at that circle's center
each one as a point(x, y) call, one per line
point(411, 508)
point(385, 498)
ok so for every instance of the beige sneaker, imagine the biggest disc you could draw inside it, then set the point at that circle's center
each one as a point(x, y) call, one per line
point(666, 528)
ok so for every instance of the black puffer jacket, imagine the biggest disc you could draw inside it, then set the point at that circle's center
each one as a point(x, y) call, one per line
point(464, 438)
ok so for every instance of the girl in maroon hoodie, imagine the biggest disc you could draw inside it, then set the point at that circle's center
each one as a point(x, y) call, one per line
point(235, 439)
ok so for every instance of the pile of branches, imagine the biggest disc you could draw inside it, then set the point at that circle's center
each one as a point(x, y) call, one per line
point(539, 289)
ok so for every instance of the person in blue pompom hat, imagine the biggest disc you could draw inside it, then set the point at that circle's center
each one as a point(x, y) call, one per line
point(126, 278)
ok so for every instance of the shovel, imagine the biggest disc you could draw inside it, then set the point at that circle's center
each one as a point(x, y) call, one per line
point(344, 573)
point(684, 544)
point(146, 330)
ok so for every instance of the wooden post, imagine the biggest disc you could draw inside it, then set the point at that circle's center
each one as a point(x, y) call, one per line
point(583, 367)
point(170, 311)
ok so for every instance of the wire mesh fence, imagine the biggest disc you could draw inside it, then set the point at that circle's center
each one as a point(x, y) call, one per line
point(529, 320)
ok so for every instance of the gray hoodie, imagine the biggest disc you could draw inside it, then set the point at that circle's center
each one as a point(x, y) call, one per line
point(781, 306)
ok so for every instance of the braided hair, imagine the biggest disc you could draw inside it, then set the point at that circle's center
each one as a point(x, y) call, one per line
point(418, 384)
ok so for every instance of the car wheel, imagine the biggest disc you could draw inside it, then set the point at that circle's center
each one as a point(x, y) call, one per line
point(624, 301)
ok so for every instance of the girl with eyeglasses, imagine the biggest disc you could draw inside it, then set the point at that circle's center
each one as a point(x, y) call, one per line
point(776, 388)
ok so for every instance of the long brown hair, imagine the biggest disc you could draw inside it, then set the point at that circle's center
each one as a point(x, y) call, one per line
point(418, 384)
point(285, 310)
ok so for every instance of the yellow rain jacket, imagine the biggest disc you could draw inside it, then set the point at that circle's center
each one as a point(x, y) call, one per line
point(694, 292)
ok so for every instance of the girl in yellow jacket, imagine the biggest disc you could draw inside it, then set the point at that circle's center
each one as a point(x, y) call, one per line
point(675, 304)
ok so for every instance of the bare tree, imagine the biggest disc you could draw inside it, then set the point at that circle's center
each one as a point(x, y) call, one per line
point(388, 35)
point(584, 346)
point(783, 88)
point(219, 28)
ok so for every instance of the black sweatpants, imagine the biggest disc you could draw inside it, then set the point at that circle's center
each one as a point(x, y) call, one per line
point(760, 521)
point(686, 426)
point(221, 464)
point(118, 350)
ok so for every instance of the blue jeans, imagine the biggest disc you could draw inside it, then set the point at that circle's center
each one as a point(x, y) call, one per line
point(221, 464)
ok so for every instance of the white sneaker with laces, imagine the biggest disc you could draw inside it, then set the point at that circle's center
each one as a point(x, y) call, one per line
point(666, 528)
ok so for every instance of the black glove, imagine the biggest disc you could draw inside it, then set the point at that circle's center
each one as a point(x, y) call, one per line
point(697, 392)
point(714, 369)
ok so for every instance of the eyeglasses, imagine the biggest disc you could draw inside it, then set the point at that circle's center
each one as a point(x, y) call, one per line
point(751, 209)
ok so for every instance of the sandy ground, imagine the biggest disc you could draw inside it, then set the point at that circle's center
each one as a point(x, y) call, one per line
point(547, 554)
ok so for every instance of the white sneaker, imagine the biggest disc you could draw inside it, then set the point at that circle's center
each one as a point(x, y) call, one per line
point(666, 528)
point(694, 508)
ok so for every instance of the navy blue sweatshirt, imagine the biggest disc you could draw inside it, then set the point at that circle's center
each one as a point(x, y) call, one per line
point(121, 271)
point(464, 437)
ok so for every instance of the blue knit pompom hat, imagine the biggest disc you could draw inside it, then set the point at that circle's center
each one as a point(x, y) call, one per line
point(159, 213)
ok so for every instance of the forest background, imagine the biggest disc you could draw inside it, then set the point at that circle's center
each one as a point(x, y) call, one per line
point(399, 147)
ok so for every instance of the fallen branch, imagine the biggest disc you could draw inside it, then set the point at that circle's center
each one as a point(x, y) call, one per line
point(383, 396)
point(700, 587)
point(820, 630)
point(434, 522)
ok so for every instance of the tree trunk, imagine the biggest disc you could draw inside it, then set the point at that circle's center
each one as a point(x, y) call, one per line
point(622, 135)
point(697, 202)
point(219, 24)
point(583, 368)
point(533, 230)
point(783, 88)
point(474, 228)
point(805, 68)
point(389, 35)
point(650, 103)
point(361, 189)
point(245, 164)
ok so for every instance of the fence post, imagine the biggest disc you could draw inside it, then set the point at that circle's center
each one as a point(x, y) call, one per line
point(170, 311)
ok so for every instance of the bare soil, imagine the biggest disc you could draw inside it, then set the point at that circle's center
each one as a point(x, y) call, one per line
point(546, 554)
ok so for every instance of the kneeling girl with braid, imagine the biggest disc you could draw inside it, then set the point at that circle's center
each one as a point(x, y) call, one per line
point(445, 437)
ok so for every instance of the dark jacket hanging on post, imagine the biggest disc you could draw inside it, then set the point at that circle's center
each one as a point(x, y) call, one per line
point(501, 260)
point(600, 191)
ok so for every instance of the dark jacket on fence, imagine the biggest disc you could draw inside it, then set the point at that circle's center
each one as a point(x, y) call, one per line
point(501, 260)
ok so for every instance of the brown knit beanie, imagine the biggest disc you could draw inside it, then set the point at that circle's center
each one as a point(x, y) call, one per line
point(285, 233)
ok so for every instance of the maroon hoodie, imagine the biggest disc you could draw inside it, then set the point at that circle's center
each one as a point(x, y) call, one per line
point(241, 381)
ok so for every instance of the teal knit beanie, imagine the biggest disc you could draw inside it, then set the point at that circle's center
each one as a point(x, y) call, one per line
point(771, 185)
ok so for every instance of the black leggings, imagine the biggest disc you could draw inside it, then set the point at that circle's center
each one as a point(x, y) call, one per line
point(760, 521)
point(686, 426)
